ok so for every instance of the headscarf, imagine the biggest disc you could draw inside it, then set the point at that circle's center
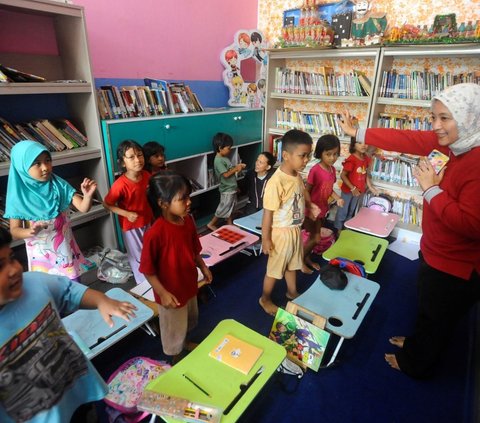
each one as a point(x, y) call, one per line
point(28, 198)
point(463, 102)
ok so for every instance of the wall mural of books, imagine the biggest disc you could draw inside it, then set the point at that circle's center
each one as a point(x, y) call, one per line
point(155, 98)
point(55, 134)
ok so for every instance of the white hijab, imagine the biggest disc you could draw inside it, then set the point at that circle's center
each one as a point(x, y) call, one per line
point(463, 102)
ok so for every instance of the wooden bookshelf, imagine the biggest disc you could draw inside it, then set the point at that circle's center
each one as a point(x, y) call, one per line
point(76, 97)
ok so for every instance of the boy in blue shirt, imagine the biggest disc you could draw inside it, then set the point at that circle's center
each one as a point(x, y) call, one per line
point(44, 377)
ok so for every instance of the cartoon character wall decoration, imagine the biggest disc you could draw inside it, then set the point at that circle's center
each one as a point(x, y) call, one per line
point(245, 69)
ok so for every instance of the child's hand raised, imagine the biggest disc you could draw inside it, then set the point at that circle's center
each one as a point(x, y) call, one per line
point(88, 187)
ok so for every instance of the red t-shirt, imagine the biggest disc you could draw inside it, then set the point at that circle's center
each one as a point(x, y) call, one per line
point(322, 182)
point(451, 222)
point(131, 196)
point(356, 170)
point(169, 252)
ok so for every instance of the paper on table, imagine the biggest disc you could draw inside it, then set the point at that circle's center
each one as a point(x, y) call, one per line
point(407, 244)
point(144, 290)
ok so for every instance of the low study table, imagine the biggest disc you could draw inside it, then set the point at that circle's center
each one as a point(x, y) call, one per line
point(366, 249)
point(224, 242)
point(91, 332)
point(344, 310)
point(219, 380)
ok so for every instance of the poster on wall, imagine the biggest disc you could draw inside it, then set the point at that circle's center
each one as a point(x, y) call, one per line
point(245, 63)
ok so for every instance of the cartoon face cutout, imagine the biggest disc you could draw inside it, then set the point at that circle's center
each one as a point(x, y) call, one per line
point(361, 8)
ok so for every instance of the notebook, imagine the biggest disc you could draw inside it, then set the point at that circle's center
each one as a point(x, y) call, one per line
point(236, 353)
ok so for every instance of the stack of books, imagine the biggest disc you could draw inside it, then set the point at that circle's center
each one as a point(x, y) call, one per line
point(155, 98)
point(56, 135)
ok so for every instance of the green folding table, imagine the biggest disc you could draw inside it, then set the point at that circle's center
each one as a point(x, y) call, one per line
point(366, 249)
point(221, 382)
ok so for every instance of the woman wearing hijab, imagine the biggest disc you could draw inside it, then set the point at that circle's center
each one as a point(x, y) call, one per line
point(448, 279)
point(37, 206)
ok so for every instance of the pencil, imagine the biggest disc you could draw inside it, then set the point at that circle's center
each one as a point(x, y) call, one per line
point(196, 385)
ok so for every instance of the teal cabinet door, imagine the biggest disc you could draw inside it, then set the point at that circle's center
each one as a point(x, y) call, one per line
point(243, 125)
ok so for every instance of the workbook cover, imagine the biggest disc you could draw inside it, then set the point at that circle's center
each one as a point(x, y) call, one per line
point(236, 353)
point(305, 343)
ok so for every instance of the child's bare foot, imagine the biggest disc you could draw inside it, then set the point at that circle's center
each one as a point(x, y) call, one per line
point(268, 306)
point(392, 361)
point(310, 263)
point(305, 269)
point(292, 296)
point(397, 341)
point(211, 227)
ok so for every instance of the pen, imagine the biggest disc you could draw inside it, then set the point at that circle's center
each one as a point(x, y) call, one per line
point(196, 385)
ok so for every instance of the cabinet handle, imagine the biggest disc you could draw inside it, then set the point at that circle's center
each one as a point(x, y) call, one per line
point(167, 126)
point(237, 118)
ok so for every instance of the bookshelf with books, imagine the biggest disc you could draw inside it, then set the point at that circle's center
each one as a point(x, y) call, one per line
point(308, 87)
point(63, 95)
point(407, 78)
point(187, 139)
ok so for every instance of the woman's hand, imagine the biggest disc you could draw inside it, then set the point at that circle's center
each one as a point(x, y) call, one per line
point(346, 123)
point(425, 174)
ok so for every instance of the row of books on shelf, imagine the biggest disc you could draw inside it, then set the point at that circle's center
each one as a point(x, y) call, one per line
point(55, 134)
point(397, 121)
point(317, 123)
point(326, 82)
point(409, 210)
point(397, 171)
point(421, 85)
point(155, 98)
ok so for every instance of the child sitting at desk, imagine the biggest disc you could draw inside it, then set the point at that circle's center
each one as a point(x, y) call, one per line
point(170, 256)
point(284, 210)
point(256, 180)
point(44, 375)
point(356, 178)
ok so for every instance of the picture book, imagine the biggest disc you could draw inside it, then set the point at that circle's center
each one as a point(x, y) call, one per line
point(236, 353)
point(305, 343)
point(438, 160)
point(182, 409)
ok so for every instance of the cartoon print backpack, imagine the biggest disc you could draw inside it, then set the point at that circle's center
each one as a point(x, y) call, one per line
point(125, 386)
point(350, 266)
point(380, 202)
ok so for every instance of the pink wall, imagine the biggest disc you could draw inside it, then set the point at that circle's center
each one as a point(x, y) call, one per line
point(169, 39)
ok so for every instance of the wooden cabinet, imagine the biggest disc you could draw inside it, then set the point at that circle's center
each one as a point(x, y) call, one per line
point(187, 139)
point(68, 93)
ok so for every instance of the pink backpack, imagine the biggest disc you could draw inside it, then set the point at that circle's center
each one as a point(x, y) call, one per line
point(125, 386)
